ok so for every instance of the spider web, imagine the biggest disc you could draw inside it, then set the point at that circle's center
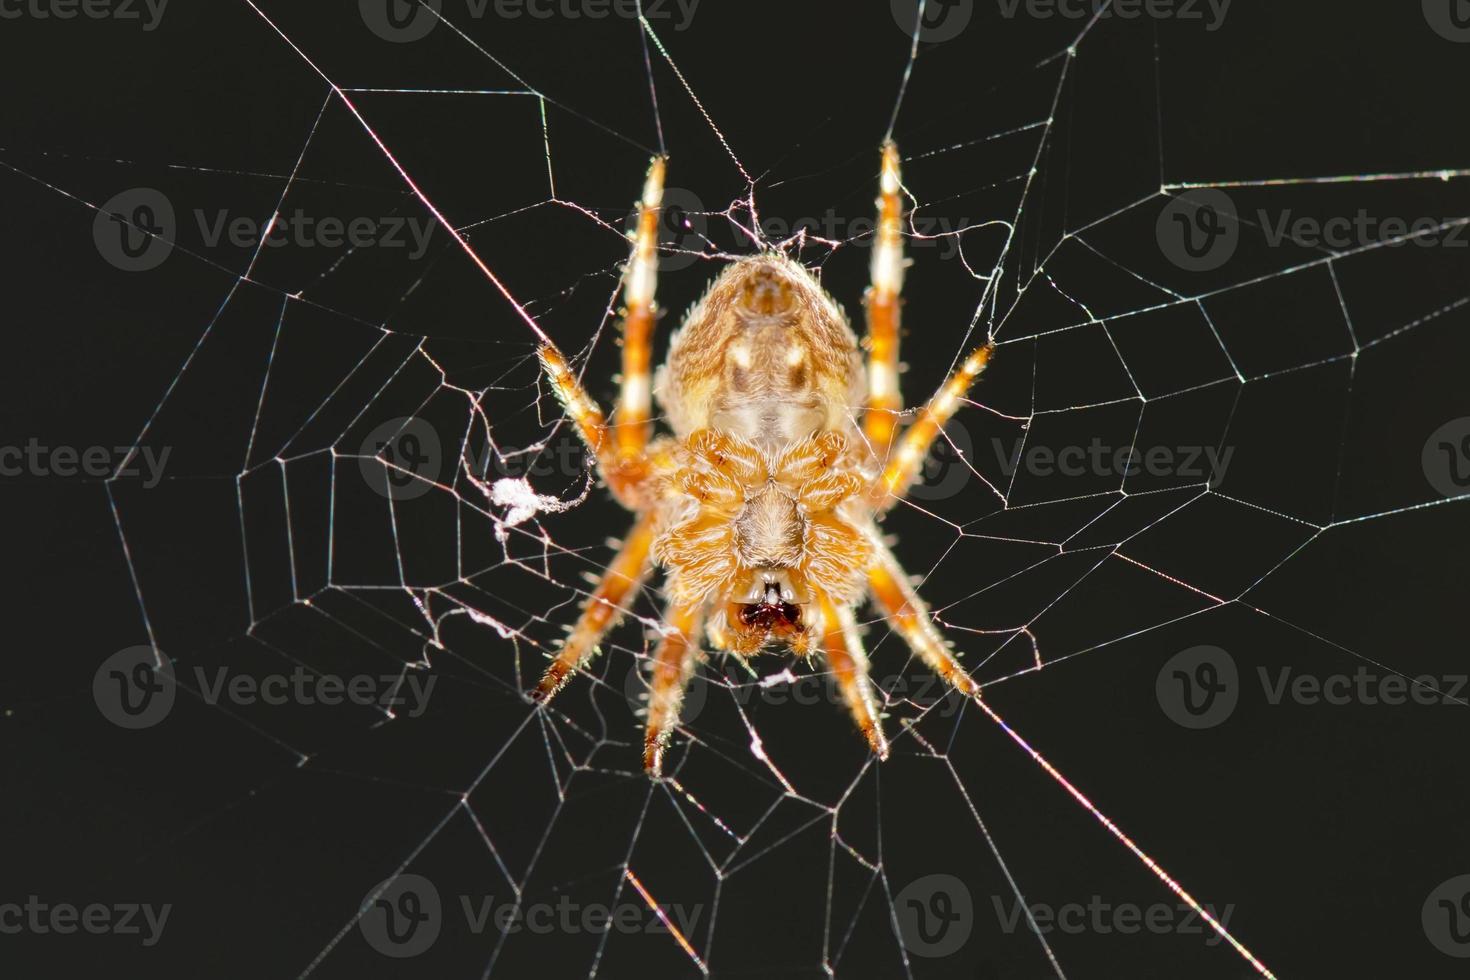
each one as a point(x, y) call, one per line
point(369, 478)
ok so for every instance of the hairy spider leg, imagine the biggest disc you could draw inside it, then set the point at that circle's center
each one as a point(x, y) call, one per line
point(674, 661)
point(905, 462)
point(849, 663)
point(634, 415)
point(909, 617)
point(603, 608)
point(881, 303)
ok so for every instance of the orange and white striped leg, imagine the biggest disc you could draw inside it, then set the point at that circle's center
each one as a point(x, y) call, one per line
point(908, 458)
point(635, 412)
point(624, 474)
point(673, 665)
point(881, 302)
point(614, 591)
point(849, 663)
point(908, 615)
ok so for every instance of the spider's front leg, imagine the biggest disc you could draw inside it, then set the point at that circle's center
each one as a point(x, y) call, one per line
point(881, 304)
point(621, 450)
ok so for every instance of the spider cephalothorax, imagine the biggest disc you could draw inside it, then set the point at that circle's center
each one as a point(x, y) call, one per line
point(761, 506)
point(761, 533)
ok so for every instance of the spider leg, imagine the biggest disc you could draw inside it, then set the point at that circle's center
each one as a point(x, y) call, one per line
point(634, 412)
point(849, 663)
point(881, 302)
point(617, 587)
point(904, 464)
point(673, 665)
point(619, 448)
point(909, 616)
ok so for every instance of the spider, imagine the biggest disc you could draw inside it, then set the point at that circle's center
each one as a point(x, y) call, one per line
point(762, 506)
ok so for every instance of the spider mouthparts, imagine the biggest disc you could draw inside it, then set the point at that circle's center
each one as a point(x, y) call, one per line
point(768, 616)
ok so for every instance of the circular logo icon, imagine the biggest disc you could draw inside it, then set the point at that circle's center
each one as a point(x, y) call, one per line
point(636, 688)
point(1449, 18)
point(400, 21)
point(683, 229)
point(401, 458)
point(1198, 230)
point(134, 230)
point(935, 915)
point(1198, 687)
point(402, 916)
point(134, 688)
point(1446, 458)
point(936, 20)
point(1446, 917)
point(947, 467)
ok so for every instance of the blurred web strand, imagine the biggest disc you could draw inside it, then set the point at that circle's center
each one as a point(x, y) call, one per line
point(663, 917)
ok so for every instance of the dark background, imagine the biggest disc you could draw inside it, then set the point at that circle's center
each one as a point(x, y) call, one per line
point(1325, 827)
